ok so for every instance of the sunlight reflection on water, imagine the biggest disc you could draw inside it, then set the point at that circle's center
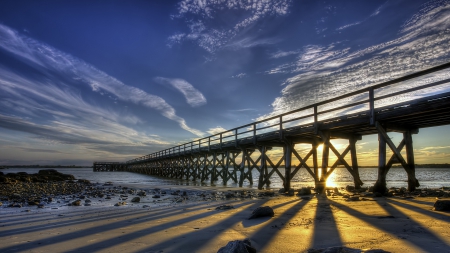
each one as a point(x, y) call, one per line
point(428, 178)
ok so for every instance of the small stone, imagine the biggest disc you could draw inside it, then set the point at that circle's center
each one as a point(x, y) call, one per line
point(350, 188)
point(354, 198)
point(291, 192)
point(156, 196)
point(145, 206)
point(304, 191)
point(40, 205)
point(441, 205)
point(84, 181)
point(264, 211)
point(229, 195)
point(76, 203)
point(224, 207)
point(238, 246)
point(136, 199)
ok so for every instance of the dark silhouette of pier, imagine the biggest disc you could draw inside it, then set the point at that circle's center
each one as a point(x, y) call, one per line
point(403, 105)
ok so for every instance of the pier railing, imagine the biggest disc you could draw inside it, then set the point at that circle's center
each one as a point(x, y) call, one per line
point(366, 101)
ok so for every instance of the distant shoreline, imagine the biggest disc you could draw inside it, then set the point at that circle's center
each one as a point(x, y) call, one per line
point(42, 166)
point(431, 165)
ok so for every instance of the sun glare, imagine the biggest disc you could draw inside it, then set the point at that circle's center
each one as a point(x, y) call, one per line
point(331, 180)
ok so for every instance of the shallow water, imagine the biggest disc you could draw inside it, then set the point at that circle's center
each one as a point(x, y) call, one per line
point(428, 178)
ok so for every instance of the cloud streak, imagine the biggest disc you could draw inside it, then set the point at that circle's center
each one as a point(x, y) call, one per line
point(52, 60)
point(216, 35)
point(193, 96)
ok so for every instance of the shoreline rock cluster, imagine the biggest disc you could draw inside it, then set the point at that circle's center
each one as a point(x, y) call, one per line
point(21, 189)
point(49, 187)
point(52, 188)
point(42, 176)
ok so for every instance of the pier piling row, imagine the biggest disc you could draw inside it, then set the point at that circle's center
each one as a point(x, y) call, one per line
point(234, 155)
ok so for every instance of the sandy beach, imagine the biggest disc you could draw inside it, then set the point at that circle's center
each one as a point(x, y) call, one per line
point(394, 224)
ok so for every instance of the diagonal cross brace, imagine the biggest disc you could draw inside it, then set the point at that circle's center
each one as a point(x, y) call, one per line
point(340, 159)
point(303, 163)
point(274, 169)
point(392, 146)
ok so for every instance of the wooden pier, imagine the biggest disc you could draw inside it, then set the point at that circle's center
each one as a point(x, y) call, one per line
point(109, 166)
point(393, 106)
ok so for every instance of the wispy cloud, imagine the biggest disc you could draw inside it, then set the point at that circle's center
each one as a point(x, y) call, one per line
point(248, 41)
point(322, 72)
point(216, 130)
point(349, 25)
point(280, 54)
point(243, 110)
point(50, 60)
point(240, 75)
point(375, 13)
point(313, 58)
point(193, 96)
point(216, 34)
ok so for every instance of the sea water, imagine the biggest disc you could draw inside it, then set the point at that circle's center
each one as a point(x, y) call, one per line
point(396, 177)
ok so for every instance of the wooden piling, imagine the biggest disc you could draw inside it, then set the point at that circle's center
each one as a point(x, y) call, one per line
point(380, 184)
point(287, 166)
point(263, 167)
point(412, 180)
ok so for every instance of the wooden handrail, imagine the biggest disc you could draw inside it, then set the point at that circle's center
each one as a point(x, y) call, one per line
point(234, 132)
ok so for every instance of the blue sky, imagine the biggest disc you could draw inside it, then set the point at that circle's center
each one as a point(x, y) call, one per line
point(83, 81)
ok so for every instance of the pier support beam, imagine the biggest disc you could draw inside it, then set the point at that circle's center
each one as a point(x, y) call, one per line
point(262, 168)
point(383, 168)
point(242, 168)
point(303, 161)
point(412, 180)
point(287, 166)
point(380, 184)
point(321, 184)
point(356, 178)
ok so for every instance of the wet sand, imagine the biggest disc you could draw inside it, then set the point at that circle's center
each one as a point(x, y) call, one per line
point(393, 224)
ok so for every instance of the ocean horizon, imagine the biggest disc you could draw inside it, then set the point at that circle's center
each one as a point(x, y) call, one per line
point(397, 177)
